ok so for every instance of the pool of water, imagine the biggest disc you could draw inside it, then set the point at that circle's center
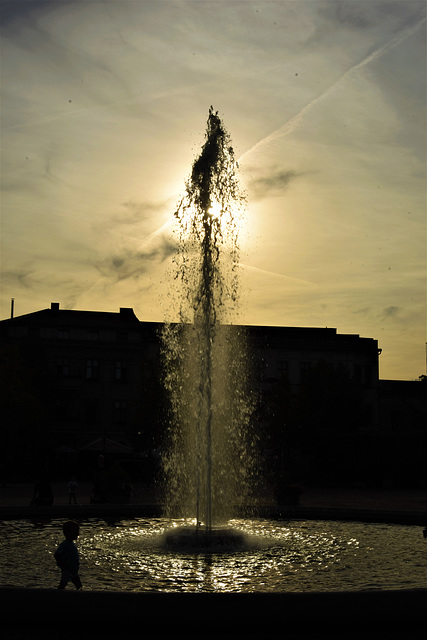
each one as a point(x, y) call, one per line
point(277, 556)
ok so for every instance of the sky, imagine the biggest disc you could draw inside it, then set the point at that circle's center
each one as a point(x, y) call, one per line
point(104, 106)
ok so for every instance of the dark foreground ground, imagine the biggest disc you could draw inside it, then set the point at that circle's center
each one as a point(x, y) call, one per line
point(70, 614)
point(50, 614)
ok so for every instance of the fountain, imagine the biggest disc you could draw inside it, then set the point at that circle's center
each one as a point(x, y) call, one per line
point(317, 572)
point(211, 451)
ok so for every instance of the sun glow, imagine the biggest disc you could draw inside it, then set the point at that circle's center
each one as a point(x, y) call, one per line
point(215, 211)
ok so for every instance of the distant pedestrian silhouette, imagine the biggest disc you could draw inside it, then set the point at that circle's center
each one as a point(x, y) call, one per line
point(67, 556)
point(42, 493)
point(72, 490)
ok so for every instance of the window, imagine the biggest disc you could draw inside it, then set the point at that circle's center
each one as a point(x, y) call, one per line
point(92, 334)
point(64, 334)
point(119, 411)
point(283, 368)
point(18, 332)
point(61, 410)
point(120, 370)
point(91, 369)
point(363, 374)
point(305, 368)
point(62, 367)
point(67, 407)
point(92, 410)
point(358, 374)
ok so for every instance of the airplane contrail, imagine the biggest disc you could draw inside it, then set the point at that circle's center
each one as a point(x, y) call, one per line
point(293, 122)
point(248, 267)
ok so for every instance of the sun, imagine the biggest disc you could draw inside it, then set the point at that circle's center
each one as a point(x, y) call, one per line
point(215, 211)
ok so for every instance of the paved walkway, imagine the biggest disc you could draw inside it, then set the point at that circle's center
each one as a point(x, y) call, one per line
point(379, 499)
point(387, 499)
point(20, 494)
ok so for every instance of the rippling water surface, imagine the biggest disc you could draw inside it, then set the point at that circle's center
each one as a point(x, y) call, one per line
point(130, 555)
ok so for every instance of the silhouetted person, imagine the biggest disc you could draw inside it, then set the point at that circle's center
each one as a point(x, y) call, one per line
point(42, 493)
point(67, 556)
point(72, 490)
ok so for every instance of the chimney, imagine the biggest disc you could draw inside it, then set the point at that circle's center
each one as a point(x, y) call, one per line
point(12, 306)
point(54, 306)
point(127, 312)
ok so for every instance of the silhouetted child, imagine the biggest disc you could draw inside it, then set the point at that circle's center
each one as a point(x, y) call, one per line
point(67, 556)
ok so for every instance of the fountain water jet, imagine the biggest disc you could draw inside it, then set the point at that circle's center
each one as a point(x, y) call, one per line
point(210, 459)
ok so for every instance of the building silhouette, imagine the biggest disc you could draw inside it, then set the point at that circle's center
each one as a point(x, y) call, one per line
point(77, 384)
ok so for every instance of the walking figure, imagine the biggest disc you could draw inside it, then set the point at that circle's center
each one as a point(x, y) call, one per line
point(72, 490)
point(67, 556)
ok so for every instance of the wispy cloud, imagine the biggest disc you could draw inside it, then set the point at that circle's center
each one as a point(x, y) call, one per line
point(273, 182)
point(127, 263)
point(390, 312)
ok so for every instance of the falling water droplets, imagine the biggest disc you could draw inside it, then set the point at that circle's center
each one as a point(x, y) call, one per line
point(204, 358)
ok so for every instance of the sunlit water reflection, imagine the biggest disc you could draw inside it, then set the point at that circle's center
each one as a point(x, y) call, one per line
point(130, 555)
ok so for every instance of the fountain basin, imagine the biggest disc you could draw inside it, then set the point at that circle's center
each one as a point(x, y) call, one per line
point(260, 555)
point(193, 539)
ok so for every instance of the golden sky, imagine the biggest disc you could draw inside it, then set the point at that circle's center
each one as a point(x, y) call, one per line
point(103, 110)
